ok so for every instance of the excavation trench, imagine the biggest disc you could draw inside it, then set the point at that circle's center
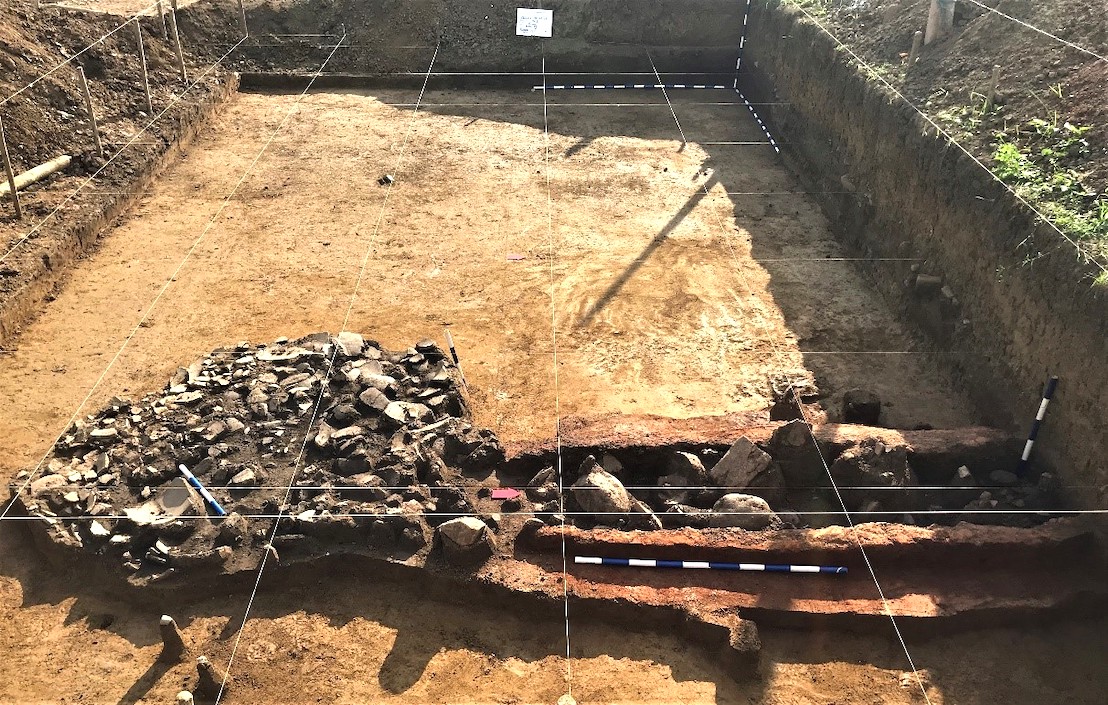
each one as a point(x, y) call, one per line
point(380, 462)
point(678, 335)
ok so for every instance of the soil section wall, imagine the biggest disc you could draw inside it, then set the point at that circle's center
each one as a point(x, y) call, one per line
point(396, 36)
point(1014, 303)
point(41, 277)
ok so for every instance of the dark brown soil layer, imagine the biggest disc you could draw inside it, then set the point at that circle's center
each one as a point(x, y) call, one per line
point(45, 116)
point(1016, 303)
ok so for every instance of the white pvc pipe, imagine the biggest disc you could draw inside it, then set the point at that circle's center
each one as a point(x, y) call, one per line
point(37, 174)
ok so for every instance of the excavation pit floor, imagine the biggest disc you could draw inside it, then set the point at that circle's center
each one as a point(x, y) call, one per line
point(679, 279)
point(673, 292)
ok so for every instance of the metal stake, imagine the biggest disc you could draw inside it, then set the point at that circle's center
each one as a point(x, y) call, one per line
point(91, 114)
point(8, 169)
point(142, 60)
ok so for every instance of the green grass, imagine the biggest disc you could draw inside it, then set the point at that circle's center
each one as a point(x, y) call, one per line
point(820, 8)
point(962, 121)
point(1041, 160)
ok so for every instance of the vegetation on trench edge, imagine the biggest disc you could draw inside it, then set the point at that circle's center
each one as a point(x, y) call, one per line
point(1042, 160)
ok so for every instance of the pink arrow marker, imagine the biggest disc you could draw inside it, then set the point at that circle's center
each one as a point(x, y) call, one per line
point(505, 493)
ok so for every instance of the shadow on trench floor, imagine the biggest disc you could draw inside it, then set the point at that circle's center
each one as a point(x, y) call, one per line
point(347, 638)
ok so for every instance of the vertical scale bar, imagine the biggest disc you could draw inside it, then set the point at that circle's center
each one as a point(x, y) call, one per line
point(454, 356)
point(1048, 394)
point(177, 39)
point(142, 60)
point(8, 169)
point(91, 113)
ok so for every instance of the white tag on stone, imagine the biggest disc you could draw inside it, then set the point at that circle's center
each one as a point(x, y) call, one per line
point(534, 23)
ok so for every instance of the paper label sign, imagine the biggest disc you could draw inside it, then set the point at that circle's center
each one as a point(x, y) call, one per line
point(534, 23)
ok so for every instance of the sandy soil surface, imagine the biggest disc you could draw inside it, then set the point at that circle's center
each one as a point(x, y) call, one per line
point(348, 640)
point(659, 307)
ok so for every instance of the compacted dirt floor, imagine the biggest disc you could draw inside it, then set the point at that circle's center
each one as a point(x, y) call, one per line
point(631, 249)
point(350, 640)
point(663, 276)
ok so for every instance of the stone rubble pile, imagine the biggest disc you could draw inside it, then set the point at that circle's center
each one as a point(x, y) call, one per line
point(783, 484)
point(379, 460)
point(353, 445)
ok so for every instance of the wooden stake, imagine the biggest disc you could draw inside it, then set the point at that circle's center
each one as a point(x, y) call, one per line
point(940, 20)
point(91, 114)
point(161, 16)
point(177, 39)
point(173, 646)
point(917, 45)
point(8, 169)
point(242, 13)
point(994, 83)
point(142, 60)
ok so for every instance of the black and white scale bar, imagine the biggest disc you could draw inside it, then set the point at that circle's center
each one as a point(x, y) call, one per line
point(1048, 394)
point(711, 565)
point(633, 86)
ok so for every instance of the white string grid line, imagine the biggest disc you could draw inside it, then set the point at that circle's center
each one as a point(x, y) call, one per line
point(557, 391)
point(862, 549)
point(1043, 32)
point(176, 99)
point(455, 486)
point(324, 387)
point(853, 529)
point(383, 515)
point(130, 336)
point(665, 93)
point(74, 56)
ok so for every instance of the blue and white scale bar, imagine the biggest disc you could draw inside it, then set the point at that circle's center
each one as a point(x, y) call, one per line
point(634, 86)
point(710, 565)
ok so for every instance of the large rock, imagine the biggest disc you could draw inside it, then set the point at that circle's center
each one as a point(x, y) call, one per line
point(543, 487)
point(798, 457)
point(466, 540)
point(749, 468)
point(688, 466)
point(46, 483)
point(403, 412)
point(861, 406)
point(743, 511)
point(599, 492)
point(641, 517)
point(672, 489)
point(350, 344)
point(872, 464)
